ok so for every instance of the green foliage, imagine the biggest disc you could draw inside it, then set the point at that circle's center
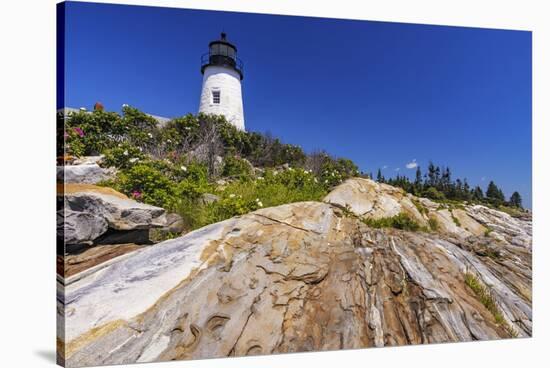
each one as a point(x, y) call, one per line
point(147, 184)
point(159, 165)
point(123, 156)
point(486, 298)
point(89, 133)
point(401, 221)
point(434, 194)
point(433, 224)
point(336, 171)
point(515, 200)
point(420, 207)
point(245, 195)
point(235, 167)
point(455, 220)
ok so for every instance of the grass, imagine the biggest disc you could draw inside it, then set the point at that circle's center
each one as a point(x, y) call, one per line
point(486, 298)
point(420, 207)
point(244, 196)
point(512, 211)
point(433, 223)
point(401, 221)
point(455, 220)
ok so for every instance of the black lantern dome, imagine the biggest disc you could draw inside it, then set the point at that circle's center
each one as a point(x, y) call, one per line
point(222, 53)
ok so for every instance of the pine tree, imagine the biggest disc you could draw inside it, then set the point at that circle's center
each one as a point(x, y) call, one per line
point(379, 177)
point(494, 194)
point(515, 200)
point(478, 194)
point(431, 174)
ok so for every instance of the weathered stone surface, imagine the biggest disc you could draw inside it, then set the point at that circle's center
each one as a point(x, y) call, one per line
point(174, 223)
point(89, 211)
point(70, 265)
point(298, 277)
point(369, 199)
point(89, 173)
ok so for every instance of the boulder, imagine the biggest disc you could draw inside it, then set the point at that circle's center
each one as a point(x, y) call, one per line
point(88, 160)
point(368, 199)
point(89, 211)
point(298, 277)
point(90, 173)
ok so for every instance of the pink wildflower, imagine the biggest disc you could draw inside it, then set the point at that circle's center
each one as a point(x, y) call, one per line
point(136, 194)
point(79, 131)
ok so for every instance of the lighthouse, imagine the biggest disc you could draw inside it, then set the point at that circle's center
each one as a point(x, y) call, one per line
point(221, 84)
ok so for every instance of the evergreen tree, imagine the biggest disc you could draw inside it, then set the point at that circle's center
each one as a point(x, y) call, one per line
point(494, 194)
point(515, 200)
point(431, 174)
point(379, 177)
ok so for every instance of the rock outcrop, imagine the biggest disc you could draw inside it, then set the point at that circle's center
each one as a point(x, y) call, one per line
point(304, 276)
point(85, 170)
point(90, 211)
point(368, 199)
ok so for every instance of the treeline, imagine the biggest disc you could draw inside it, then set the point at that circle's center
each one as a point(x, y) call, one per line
point(438, 184)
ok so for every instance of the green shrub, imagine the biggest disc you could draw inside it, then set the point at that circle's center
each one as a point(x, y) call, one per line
point(236, 168)
point(146, 184)
point(433, 224)
point(245, 195)
point(334, 172)
point(401, 221)
point(433, 193)
point(123, 156)
point(90, 133)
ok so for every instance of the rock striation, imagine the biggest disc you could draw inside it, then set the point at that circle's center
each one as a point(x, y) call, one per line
point(304, 276)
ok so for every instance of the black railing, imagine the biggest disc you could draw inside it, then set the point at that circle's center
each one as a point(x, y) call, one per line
point(222, 60)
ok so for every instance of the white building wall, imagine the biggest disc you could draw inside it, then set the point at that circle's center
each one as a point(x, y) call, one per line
point(228, 82)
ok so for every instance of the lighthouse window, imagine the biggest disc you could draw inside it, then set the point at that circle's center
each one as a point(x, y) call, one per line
point(216, 97)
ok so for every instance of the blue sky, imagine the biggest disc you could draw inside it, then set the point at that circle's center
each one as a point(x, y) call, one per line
point(381, 94)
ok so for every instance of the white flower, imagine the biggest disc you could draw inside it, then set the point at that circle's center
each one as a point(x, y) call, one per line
point(260, 178)
point(184, 168)
point(232, 195)
point(140, 149)
point(332, 174)
point(260, 204)
point(134, 159)
point(315, 179)
point(125, 153)
point(257, 199)
point(275, 173)
point(326, 180)
point(150, 135)
point(169, 141)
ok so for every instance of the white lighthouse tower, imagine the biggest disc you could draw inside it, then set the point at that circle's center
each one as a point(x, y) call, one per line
point(221, 84)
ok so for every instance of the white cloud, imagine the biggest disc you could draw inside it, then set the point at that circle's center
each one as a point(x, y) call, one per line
point(384, 167)
point(397, 169)
point(411, 165)
point(483, 178)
